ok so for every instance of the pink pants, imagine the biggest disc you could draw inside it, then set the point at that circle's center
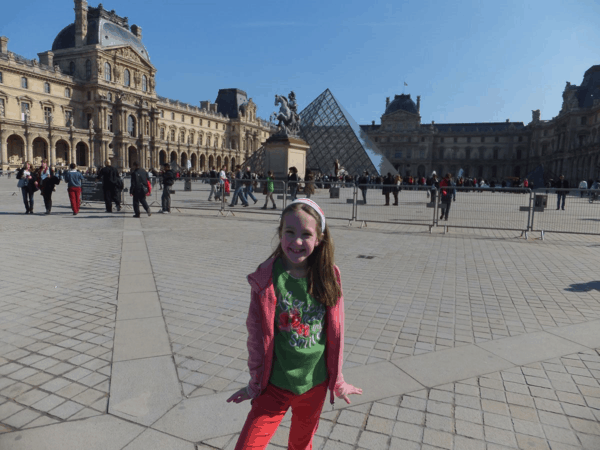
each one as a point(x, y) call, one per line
point(75, 198)
point(268, 410)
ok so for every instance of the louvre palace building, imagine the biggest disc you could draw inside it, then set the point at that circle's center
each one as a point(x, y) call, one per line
point(568, 144)
point(93, 97)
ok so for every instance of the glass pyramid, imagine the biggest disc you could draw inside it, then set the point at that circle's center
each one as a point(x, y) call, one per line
point(333, 134)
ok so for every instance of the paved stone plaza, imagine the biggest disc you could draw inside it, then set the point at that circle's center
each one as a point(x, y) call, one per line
point(122, 333)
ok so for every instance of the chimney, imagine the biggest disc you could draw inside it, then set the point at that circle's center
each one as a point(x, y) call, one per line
point(3, 44)
point(81, 24)
point(213, 107)
point(47, 59)
point(387, 102)
point(507, 120)
point(137, 31)
point(373, 123)
point(419, 104)
point(205, 104)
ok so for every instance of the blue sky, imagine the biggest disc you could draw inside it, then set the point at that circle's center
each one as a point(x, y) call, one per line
point(471, 61)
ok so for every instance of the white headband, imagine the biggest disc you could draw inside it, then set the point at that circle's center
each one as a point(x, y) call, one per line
point(313, 205)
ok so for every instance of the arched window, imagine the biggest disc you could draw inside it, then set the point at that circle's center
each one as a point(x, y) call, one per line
point(182, 137)
point(88, 70)
point(144, 83)
point(47, 88)
point(173, 135)
point(127, 78)
point(131, 125)
point(68, 92)
point(107, 72)
point(162, 133)
point(72, 68)
point(200, 139)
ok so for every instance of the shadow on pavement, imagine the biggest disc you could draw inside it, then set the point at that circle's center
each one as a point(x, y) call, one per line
point(584, 287)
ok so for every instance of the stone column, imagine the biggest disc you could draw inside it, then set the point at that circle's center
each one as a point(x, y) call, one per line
point(51, 150)
point(3, 151)
point(28, 149)
point(71, 151)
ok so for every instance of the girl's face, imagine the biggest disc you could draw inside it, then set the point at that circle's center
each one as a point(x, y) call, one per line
point(298, 237)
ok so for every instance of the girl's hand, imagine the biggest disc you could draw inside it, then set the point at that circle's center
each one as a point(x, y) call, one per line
point(239, 396)
point(348, 389)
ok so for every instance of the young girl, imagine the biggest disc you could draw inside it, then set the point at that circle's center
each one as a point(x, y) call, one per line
point(295, 332)
point(270, 190)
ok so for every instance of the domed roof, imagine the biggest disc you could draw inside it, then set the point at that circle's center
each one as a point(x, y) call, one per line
point(401, 102)
point(104, 28)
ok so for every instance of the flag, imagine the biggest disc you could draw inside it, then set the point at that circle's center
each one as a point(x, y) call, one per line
point(405, 84)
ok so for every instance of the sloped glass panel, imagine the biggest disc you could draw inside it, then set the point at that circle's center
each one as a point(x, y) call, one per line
point(333, 134)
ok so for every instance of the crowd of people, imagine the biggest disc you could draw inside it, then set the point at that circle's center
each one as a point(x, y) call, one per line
point(244, 183)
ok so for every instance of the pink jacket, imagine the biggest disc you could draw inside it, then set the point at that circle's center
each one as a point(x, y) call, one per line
point(261, 334)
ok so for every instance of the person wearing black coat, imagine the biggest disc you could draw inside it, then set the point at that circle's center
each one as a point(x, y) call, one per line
point(109, 176)
point(561, 185)
point(389, 186)
point(28, 185)
point(48, 185)
point(168, 180)
point(139, 189)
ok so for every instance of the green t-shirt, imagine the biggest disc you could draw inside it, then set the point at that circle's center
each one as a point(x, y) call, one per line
point(299, 358)
point(270, 184)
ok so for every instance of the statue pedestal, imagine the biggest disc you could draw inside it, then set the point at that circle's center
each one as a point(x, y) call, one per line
point(283, 152)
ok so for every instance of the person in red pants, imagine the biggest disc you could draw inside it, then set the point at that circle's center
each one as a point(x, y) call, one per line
point(74, 178)
point(295, 332)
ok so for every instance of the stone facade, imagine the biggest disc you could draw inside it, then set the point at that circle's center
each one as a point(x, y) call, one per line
point(568, 144)
point(93, 97)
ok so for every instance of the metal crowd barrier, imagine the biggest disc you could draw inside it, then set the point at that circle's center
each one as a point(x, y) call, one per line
point(581, 214)
point(415, 206)
point(488, 208)
point(517, 209)
point(337, 200)
point(257, 191)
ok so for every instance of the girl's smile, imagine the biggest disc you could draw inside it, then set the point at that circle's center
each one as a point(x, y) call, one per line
point(298, 239)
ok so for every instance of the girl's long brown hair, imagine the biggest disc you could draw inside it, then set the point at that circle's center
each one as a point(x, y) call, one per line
point(321, 278)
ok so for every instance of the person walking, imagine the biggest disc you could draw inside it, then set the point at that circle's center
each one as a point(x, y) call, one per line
point(168, 181)
point(363, 184)
point(222, 180)
point(295, 332)
point(389, 186)
point(214, 181)
point(270, 189)
point(309, 184)
point(293, 182)
point(239, 188)
point(397, 188)
point(47, 188)
point(561, 186)
point(74, 178)
point(447, 195)
point(434, 183)
point(249, 178)
point(139, 189)
point(27, 179)
point(110, 182)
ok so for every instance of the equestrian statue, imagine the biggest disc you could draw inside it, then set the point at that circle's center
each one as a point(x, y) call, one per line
point(289, 120)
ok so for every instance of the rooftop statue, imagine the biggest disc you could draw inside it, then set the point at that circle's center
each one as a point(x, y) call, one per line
point(289, 120)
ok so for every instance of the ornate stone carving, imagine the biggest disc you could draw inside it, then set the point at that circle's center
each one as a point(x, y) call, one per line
point(137, 78)
point(71, 122)
point(99, 65)
point(91, 124)
point(117, 73)
point(2, 109)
